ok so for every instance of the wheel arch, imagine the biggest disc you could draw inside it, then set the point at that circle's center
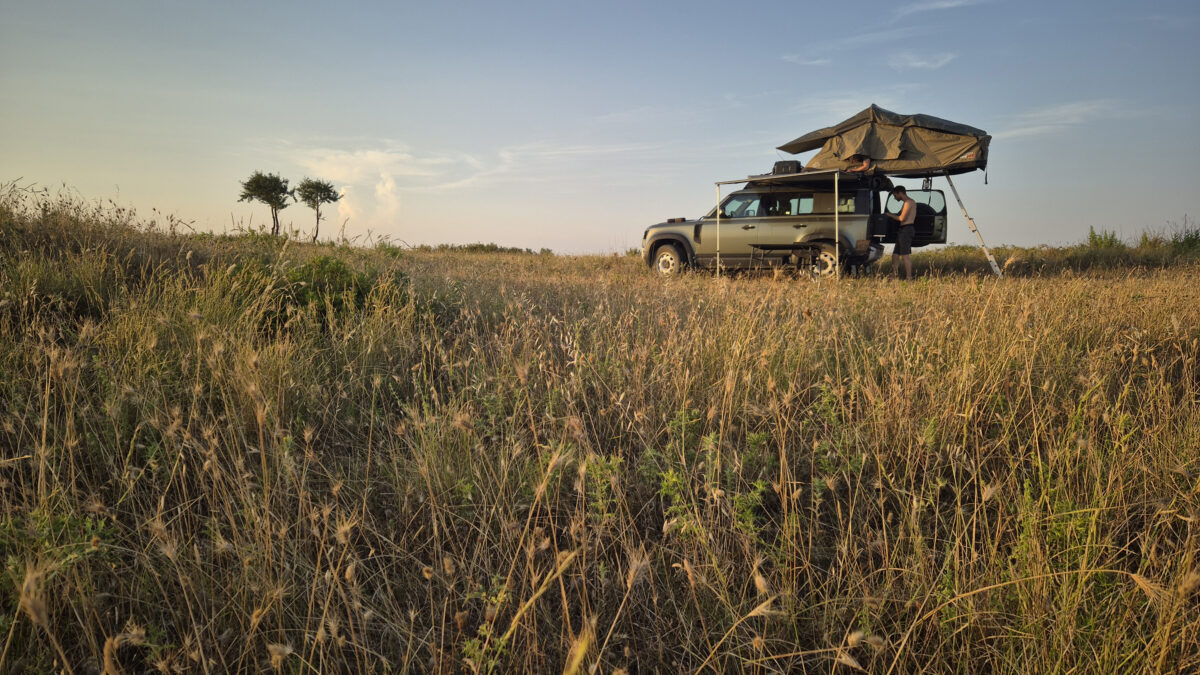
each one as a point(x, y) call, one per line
point(672, 238)
point(847, 246)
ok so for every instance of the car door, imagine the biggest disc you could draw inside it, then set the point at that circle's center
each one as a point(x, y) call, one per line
point(931, 217)
point(740, 222)
point(789, 219)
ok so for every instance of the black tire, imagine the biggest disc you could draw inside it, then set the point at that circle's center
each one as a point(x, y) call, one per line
point(668, 261)
point(825, 262)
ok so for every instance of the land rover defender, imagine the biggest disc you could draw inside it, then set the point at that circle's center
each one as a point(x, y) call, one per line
point(787, 218)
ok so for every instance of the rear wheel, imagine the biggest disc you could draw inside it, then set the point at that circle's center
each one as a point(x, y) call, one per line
point(825, 262)
point(668, 260)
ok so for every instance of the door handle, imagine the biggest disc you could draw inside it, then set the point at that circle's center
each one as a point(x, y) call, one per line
point(800, 225)
point(747, 227)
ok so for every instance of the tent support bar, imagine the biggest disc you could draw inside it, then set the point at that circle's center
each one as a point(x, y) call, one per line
point(971, 222)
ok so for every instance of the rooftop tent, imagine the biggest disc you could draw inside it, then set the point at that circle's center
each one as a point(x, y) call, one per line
point(898, 145)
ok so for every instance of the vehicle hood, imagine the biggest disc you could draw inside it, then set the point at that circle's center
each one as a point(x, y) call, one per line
point(675, 222)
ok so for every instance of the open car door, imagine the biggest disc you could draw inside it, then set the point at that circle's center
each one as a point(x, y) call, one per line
point(930, 222)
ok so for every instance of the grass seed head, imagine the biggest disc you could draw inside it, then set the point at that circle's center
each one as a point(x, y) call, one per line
point(639, 561)
point(278, 653)
point(1152, 590)
point(989, 492)
point(1189, 583)
point(32, 599)
point(344, 528)
point(849, 661)
point(760, 582)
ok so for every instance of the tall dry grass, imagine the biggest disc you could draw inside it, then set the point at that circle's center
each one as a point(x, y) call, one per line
point(231, 454)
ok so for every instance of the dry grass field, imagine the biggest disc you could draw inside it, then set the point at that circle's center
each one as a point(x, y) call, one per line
point(227, 454)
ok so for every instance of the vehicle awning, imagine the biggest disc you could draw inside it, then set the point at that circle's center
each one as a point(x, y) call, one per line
point(898, 145)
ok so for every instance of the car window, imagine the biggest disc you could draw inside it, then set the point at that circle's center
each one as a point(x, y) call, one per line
point(798, 205)
point(934, 199)
point(845, 204)
point(741, 206)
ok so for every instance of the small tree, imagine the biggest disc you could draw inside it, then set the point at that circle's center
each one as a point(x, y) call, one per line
point(269, 189)
point(314, 193)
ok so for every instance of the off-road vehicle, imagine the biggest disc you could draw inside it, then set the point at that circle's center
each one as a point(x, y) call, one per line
point(787, 218)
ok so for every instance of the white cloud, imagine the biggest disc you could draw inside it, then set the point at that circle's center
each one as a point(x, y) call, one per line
point(1056, 118)
point(934, 5)
point(346, 211)
point(802, 61)
point(1071, 113)
point(387, 202)
point(637, 115)
point(535, 162)
point(822, 53)
point(389, 189)
point(372, 178)
point(832, 107)
point(912, 61)
point(352, 166)
point(877, 37)
point(1032, 130)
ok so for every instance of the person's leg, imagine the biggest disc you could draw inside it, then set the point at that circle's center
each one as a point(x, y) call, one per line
point(902, 251)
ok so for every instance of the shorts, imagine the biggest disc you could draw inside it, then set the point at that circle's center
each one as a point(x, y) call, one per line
point(904, 239)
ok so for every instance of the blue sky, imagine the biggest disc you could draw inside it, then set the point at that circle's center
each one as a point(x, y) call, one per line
point(573, 125)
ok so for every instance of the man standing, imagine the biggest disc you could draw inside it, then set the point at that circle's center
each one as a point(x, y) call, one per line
point(904, 237)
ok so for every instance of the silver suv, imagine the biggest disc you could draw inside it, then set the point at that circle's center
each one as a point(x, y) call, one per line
point(788, 219)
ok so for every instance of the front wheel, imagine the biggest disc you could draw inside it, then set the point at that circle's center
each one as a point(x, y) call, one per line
point(668, 261)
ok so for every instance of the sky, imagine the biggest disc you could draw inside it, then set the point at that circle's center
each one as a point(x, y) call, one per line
point(573, 125)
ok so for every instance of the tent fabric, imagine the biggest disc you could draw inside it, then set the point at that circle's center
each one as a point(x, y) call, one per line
point(898, 145)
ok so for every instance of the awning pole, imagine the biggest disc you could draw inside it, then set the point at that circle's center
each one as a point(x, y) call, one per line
point(718, 229)
point(971, 223)
point(837, 228)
